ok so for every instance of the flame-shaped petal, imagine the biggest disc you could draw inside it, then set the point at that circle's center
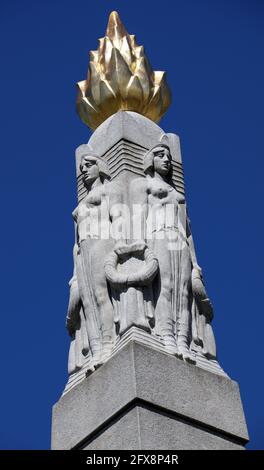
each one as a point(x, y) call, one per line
point(134, 94)
point(161, 82)
point(108, 97)
point(154, 106)
point(157, 77)
point(118, 73)
point(120, 78)
point(126, 51)
point(143, 72)
point(93, 89)
point(165, 95)
point(139, 51)
point(87, 111)
point(105, 54)
point(94, 56)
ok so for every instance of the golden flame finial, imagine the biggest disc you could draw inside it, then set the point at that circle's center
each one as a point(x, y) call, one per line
point(120, 78)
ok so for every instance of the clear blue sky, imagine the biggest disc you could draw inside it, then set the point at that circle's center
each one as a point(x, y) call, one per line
point(213, 53)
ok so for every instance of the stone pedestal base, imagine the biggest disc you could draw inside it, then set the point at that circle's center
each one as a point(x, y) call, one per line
point(145, 399)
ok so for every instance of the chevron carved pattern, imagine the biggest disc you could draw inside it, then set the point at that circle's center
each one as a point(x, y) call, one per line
point(128, 156)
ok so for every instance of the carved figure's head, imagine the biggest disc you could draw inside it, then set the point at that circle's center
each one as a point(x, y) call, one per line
point(93, 167)
point(158, 159)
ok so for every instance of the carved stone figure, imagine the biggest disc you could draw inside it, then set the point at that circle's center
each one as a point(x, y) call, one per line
point(155, 194)
point(182, 310)
point(90, 309)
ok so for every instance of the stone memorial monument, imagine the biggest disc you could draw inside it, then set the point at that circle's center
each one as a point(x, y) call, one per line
point(143, 370)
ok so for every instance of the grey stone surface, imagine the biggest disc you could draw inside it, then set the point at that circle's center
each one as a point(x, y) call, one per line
point(189, 391)
point(138, 376)
point(134, 259)
point(139, 315)
point(133, 127)
point(94, 401)
point(152, 341)
point(159, 431)
point(122, 433)
point(146, 429)
point(125, 125)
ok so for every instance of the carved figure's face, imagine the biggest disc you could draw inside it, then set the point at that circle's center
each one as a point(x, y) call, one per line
point(89, 169)
point(162, 160)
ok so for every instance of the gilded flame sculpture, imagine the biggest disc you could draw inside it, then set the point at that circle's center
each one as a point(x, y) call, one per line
point(121, 78)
